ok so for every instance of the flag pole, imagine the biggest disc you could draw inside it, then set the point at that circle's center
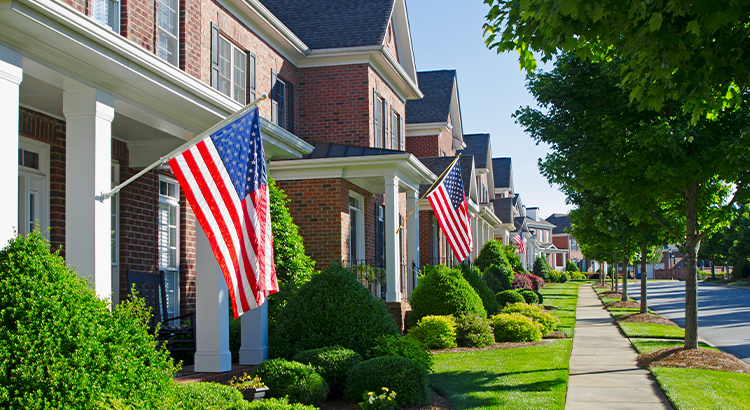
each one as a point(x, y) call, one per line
point(181, 148)
point(425, 194)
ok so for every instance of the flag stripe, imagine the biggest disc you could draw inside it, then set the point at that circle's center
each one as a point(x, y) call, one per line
point(448, 222)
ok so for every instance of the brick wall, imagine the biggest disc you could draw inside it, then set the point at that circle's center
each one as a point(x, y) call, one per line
point(187, 256)
point(560, 242)
point(390, 40)
point(190, 37)
point(79, 5)
point(377, 83)
point(137, 22)
point(425, 237)
point(423, 146)
point(51, 131)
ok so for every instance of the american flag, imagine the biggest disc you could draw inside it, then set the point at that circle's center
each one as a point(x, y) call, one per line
point(225, 181)
point(519, 240)
point(451, 210)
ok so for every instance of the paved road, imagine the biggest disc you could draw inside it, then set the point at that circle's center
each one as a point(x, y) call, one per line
point(723, 313)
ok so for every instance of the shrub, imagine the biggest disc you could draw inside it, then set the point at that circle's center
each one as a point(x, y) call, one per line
point(407, 347)
point(62, 347)
point(474, 277)
point(577, 275)
point(436, 332)
point(521, 281)
point(539, 296)
point(547, 322)
point(270, 404)
point(564, 277)
point(553, 276)
point(514, 259)
point(442, 291)
point(529, 296)
point(407, 378)
point(492, 253)
point(204, 395)
point(493, 282)
point(332, 309)
point(504, 274)
point(509, 296)
point(300, 382)
point(474, 331)
point(571, 267)
point(537, 283)
point(515, 327)
point(332, 363)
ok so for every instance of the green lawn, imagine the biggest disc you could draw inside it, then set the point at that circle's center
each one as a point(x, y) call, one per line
point(564, 297)
point(534, 377)
point(692, 389)
point(644, 346)
point(652, 330)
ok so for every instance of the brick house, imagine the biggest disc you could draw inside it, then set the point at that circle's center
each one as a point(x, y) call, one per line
point(505, 199)
point(562, 239)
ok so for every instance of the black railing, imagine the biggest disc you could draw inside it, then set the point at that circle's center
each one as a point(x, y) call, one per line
point(371, 273)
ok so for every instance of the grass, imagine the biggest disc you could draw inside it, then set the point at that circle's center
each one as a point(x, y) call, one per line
point(652, 330)
point(645, 346)
point(534, 377)
point(563, 296)
point(693, 389)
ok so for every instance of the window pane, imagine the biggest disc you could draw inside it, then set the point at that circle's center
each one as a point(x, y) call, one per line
point(162, 188)
point(240, 63)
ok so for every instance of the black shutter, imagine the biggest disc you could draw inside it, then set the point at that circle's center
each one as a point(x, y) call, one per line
point(214, 56)
point(251, 76)
point(290, 107)
point(274, 99)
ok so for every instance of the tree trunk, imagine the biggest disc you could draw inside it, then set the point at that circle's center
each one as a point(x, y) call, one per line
point(615, 279)
point(644, 257)
point(692, 244)
point(625, 276)
point(713, 268)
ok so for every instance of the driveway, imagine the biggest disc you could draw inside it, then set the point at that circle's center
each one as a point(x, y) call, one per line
point(723, 313)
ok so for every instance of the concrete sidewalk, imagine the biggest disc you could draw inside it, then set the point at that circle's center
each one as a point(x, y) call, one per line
point(603, 371)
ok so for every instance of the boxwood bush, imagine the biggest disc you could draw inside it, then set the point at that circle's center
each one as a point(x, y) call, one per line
point(443, 291)
point(62, 347)
point(196, 396)
point(577, 275)
point(407, 378)
point(436, 332)
point(332, 363)
point(333, 308)
point(504, 274)
point(270, 404)
point(515, 327)
point(474, 277)
point(492, 253)
point(474, 331)
point(509, 296)
point(299, 382)
point(539, 296)
point(547, 322)
point(407, 347)
point(529, 296)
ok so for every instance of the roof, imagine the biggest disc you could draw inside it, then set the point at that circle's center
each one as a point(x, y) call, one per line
point(503, 208)
point(540, 222)
point(518, 222)
point(325, 150)
point(322, 24)
point(435, 106)
point(561, 222)
point(438, 164)
point(501, 171)
point(477, 145)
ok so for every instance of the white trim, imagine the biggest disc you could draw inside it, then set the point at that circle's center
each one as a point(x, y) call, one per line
point(42, 175)
point(360, 225)
point(430, 128)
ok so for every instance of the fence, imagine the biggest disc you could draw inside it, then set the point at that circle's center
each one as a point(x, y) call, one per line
point(372, 275)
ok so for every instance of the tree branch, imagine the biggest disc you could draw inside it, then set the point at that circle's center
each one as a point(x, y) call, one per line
point(667, 228)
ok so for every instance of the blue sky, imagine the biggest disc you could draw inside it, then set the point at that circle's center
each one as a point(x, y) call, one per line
point(447, 34)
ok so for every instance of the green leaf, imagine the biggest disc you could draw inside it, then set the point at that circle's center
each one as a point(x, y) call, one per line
point(654, 23)
point(693, 27)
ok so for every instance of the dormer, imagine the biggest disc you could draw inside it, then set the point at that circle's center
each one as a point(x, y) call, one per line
point(478, 145)
point(502, 171)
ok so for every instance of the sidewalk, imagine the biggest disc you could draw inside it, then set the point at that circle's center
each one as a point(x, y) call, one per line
point(603, 371)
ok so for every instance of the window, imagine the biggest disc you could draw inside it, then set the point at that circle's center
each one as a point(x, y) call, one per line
point(33, 186)
point(232, 71)
point(107, 12)
point(379, 236)
point(168, 30)
point(573, 244)
point(380, 122)
point(396, 131)
point(282, 103)
point(168, 231)
point(356, 228)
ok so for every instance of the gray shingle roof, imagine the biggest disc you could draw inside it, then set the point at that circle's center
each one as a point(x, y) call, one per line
point(561, 222)
point(503, 208)
point(477, 145)
point(324, 24)
point(438, 164)
point(325, 150)
point(501, 170)
point(435, 106)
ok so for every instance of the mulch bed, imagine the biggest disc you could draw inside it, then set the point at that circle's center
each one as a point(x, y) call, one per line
point(437, 402)
point(555, 335)
point(693, 359)
point(645, 318)
point(622, 304)
point(610, 295)
point(600, 286)
point(496, 346)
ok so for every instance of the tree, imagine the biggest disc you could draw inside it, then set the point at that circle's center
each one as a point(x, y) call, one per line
point(714, 247)
point(692, 52)
point(654, 164)
point(737, 240)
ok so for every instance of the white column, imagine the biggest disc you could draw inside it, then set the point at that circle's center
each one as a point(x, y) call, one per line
point(11, 75)
point(392, 251)
point(474, 237)
point(211, 310)
point(412, 231)
point(88, 161)
point(254, 348)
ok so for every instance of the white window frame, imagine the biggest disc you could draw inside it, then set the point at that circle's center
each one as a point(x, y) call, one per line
point(379, 119)
point(236, 88)
point(40, 177)
point(115, 234)
point(360, 228)
point(107, 12)
point(279, 103)
point(163, 33)
point(170, 273)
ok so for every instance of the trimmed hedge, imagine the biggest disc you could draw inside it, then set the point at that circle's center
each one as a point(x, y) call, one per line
point(492, 253)
point(493, 282)
point(300, 382)
point(407, 378)
point(504, 274)
point(515, 327)
point(539, 296)
point(436, 332)
point(474, 331)
point(332, 363)
point(407, 347)
point(62, 347)
point(529, 296)
point(509, 296)
point(203, 395)
point(333, 308)
point(474, 277)
point(443, 291)
point(270, 404)
point(547, 322)
point(577, 275)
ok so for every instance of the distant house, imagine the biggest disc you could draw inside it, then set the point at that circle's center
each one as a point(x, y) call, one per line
point(562, 239)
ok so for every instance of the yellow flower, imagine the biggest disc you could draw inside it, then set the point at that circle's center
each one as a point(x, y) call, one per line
point(370, 394)
point(385, 389)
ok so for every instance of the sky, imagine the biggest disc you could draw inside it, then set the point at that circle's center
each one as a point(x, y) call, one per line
point(447, 34)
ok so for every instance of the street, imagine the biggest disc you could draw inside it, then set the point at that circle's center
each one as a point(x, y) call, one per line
point(723, 313)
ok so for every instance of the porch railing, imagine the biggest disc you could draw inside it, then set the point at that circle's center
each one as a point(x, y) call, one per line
point(372, 275)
